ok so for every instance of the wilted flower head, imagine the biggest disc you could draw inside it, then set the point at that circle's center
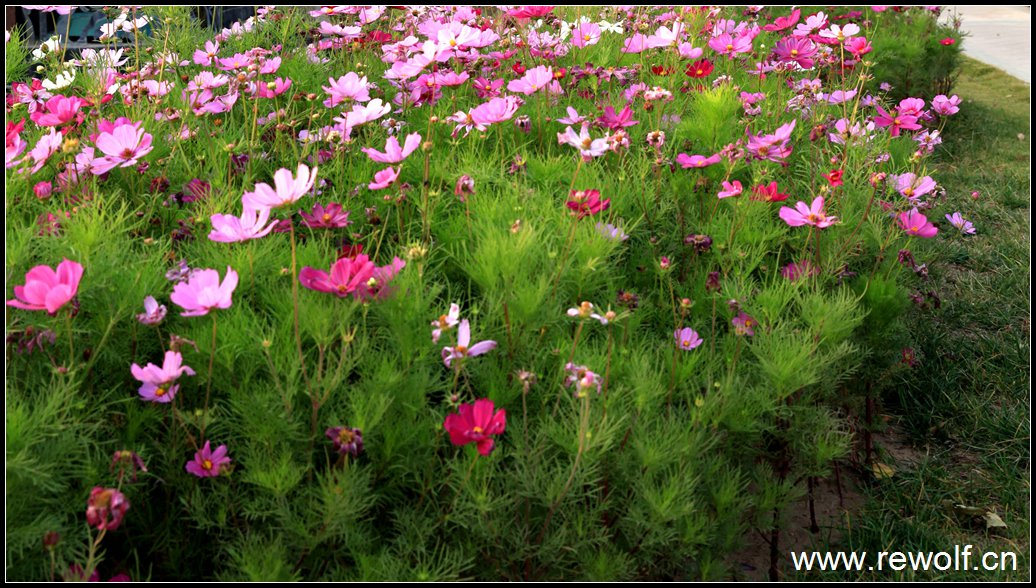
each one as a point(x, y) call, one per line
point(129, 461)
point(153, 312)
point(582, 380)
point(346, 440)
point(743, 324)
point(465, 187)
point(105, 508)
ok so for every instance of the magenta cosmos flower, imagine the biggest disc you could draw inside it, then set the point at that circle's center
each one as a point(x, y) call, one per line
point(812, 215)
point(393, 152)
point(696, 161)
point(286, 189)
point(158, 383)
point(346, 439)
point(583, 203)
point(464, 348)
point(687, 338)
point(206, 463)
point(252, 224)
point(534, 80)
point(916, 224)
point(743, 324)
point(46, 289)
point(203, 292)
point(59, 110)
point(105, 508)
point(347, 276)
point(331, 216)
point(476, 423)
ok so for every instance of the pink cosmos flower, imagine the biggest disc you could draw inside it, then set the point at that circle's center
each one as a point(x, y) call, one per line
point(697, 161)
point(158, 383)
point(530, 11)
point(494, 111)
point(534, 80)
point(584, 203)
point(476, 423)
point(348, 87)
point(153, 313)
point(251, 225)
point(393, 152)
point(346, 440)
point(588, 147)
point(614, 121)
point(772, 147)
point(57, 111)
point(105, 508)
point(586, 34)
point(208, 55)
point(46, 289)
point(377, 286)
point(963, 225)
point(46, 146)
point(384, 178)
point(347, 276)
point(687, 339)
point(783, 22)
point(730, 46)
point(916, 224)
point(840, 34)
point(331, 216)
point(287, 189)
point(464, 348)
point(812, 215)
point(202, 292)
point(446, 322)
point(730, 189)
point(858, 46)
point(122, 146)
point(798, 50)
point(913, 186)
point(206, 463)
point(944, 106)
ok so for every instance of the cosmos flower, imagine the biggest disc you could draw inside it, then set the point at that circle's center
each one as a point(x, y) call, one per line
point(158, 383)
point(464, 348)
point(812, 215)
point(687, 339)
point(202, 292)
point(47, 289)
point(476, 423)
point(207, 463)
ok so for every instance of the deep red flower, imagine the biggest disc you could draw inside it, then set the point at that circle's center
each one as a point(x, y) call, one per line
point(518, 68)
point(699, 69)
point(835, 177)
point(948, 41)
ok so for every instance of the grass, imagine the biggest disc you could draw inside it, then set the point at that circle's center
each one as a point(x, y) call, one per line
point(966, 405)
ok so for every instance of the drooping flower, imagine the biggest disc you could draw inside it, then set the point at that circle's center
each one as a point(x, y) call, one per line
point(158, 384)
point(202, 292)
point(393, 152)
point(465, 187)
point(812, 215)
point(287, 189)
point(384, 178)
point(464, 348)
point(476, 423)
point(105, 508)
point(252, 224)
point(331, 216)
point(153, 313)
point(127, 460)
point(207, 463)
point(581, 379)
point(446, 322)
point(916, 224)
point(584, 203)
point(346, 440)
point(962, 224)
point(730, 189)
point(46, 289)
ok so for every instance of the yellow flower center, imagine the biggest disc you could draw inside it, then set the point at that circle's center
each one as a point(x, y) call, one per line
point(326, 217)
point(160, 392)
point(206, 465)
point(461, 349)
point(476, 429)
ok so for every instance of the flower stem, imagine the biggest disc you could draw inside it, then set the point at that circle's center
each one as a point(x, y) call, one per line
point(208, 385)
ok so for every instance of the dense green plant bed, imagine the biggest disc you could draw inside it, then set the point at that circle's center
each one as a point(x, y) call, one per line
point(386, 294)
